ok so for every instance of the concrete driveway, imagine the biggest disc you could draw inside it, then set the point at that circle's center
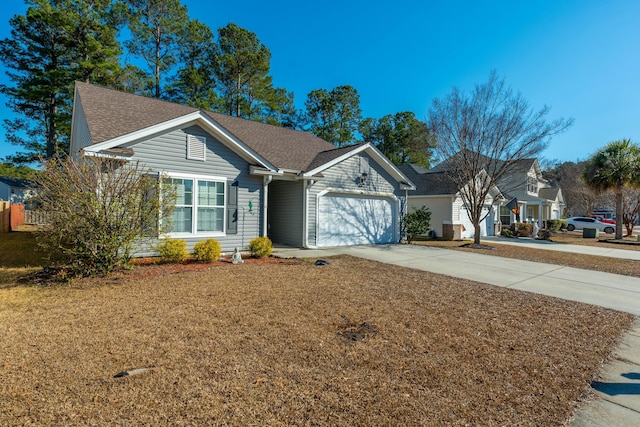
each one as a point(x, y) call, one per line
point(619, 389)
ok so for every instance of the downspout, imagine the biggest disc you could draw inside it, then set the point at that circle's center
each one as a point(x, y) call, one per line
point(305, 206)
point(402, 214)
point(266, 180)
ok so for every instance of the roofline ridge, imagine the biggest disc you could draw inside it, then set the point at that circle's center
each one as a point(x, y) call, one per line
point(151, 98)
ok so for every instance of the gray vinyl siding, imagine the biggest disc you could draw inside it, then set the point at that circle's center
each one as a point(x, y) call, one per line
point(168, 153)
point(80, 136)
point(346, 176)
point(285, 215)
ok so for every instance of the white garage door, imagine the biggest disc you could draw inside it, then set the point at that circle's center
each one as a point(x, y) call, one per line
point(486, 226)
point(355, 220)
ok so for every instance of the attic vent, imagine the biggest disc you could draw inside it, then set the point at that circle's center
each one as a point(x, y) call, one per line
point(196, 147)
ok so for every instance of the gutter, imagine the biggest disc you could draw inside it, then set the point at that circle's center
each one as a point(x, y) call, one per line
point(266, 180)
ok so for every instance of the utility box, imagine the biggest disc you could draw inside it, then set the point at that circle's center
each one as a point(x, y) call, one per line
point(590, 233)
point(451, 231)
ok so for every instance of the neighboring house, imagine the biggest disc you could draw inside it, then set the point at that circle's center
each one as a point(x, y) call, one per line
point(438, 192)
point(536, 199)
point(238, 179)
point(16, 190)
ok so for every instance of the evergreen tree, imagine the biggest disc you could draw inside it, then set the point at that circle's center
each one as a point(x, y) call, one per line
point(157, 30)
point(194, 83)
point(244, 84)
point(615, 167)
point(401, 137)
point(334, 115)
point(52, 45)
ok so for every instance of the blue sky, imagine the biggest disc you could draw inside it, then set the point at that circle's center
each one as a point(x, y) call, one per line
point(580, 57)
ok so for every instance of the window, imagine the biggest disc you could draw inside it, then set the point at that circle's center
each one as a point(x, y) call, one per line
point(200, 205)
point(210, 206)
point(505, 215)
point(532, 185)
point(196, 147)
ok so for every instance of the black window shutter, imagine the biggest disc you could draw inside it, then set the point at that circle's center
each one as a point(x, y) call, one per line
point(232, 207)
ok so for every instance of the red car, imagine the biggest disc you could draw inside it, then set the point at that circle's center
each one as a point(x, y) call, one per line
point(605, 220)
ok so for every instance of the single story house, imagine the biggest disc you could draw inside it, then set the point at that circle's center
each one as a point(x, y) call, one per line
point(238, 179)
point(436, 190)
point(16, 190)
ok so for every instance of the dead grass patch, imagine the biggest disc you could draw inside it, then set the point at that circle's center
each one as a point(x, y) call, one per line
point(607, 241)
point(260, 345)
point(587, 262)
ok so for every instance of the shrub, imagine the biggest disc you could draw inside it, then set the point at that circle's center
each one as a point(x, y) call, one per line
point(173, 250)
point(99, 210)
point(556, 225)
point(417, 222)
point(261, 247)
point(207, 250)
point(523, 229)
point(507, 233)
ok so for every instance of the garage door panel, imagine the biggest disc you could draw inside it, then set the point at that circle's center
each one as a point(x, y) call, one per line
point(485, 225)
point(353, 220)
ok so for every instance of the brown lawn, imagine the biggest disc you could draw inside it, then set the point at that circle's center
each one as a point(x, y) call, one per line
point(355, 343)
point(588, 262)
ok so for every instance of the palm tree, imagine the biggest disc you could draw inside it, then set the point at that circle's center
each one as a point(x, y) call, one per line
point(614, 167)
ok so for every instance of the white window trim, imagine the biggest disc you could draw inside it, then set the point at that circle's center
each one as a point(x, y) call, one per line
point(194, 217)
point(191, 139)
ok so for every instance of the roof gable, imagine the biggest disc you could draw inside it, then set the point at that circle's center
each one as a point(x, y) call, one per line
point(327, 159)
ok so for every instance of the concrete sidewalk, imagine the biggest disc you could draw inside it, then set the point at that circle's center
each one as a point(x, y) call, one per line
point(618, 391)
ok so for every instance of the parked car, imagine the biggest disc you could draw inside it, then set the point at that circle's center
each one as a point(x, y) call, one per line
point(579, 223)
point(606, 220)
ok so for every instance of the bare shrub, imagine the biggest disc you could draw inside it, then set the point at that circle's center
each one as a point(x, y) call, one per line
point(99, 208)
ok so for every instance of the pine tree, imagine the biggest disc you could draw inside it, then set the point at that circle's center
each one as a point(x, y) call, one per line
point(157, 30)
point(55, 43)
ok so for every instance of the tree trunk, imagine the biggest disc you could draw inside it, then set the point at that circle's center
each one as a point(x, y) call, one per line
point(476, 235)
point(619, 213)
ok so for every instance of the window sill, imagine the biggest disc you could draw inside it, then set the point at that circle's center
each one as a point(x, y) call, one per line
point(192, 235)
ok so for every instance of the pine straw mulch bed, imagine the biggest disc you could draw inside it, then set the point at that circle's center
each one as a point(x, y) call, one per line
point(588, 262)
point(355, 343)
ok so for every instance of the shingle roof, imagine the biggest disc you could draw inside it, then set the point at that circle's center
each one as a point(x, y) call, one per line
point(111, 113)
point(284, 148)
point(325, 157)
point(16, 182)
point(429, 183)
point(549, 193)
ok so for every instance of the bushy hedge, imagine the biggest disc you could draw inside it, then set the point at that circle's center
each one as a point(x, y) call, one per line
point(417, 222)
point(261, 247)
point(207, 250)
point(172, 250)
point(523, 229)
point(556, 225)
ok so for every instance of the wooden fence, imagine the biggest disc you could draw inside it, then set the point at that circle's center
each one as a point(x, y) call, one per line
point(5, 216)
point(13, 215)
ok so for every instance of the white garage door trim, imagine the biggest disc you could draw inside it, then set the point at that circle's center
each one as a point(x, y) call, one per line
point(336, 226)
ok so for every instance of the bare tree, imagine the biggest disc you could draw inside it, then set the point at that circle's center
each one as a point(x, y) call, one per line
point(480, 137)
point(579, 198)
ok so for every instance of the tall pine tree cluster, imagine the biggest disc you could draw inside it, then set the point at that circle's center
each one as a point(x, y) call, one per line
point(169, 56)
